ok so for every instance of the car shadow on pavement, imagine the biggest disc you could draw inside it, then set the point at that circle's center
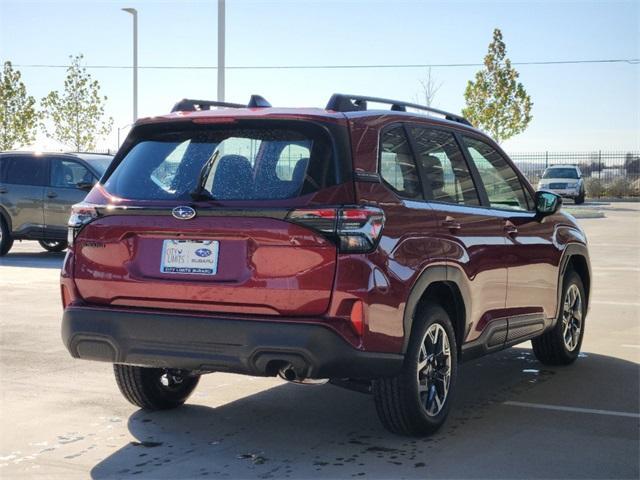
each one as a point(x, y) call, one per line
point(295, 431)
point(33, 260)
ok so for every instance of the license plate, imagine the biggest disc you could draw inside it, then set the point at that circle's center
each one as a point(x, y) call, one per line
point(195, 257)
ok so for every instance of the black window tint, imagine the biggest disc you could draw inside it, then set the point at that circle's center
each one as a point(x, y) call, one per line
point(269, 161)
point(397, 166)
point(68, 174)
point(25, 170)
point(443, 167)
point(500, 180)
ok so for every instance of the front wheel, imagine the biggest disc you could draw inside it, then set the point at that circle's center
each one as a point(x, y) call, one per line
point(561, 345)
point(53, 246)
point(579, 199)
point(154, 388)
point(416, 401)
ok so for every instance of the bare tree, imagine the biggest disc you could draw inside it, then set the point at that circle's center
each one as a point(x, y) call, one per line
point(429, 87)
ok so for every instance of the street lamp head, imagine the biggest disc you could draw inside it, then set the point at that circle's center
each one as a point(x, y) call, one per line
point(132, 11)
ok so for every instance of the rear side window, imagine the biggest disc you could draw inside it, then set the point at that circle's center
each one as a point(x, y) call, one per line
point(500, 180)
point(24, 170)
point(257, 163)
point(397, 167)
point(445, 172)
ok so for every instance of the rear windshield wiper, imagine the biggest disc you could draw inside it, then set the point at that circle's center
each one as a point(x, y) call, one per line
point(199, 192)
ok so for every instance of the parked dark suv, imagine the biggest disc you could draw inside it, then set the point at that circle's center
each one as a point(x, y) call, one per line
point(373, 248)
point(37, 191)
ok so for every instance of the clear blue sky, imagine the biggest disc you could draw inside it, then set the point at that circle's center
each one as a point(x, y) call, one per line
point(576, 107)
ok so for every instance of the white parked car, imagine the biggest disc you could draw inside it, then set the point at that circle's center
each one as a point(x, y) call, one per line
point(565, 180)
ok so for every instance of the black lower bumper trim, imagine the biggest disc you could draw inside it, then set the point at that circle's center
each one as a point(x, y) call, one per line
point(170, 340)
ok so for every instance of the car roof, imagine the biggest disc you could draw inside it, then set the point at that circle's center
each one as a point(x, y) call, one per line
point(562, 166)
point(87, 156)
point(318, 114)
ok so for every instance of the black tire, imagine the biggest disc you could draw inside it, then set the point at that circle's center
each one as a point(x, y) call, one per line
point(53, 246)
point(6, 240)
point(398, 400)
point(580, 199)
point(143, 387)
point(551, 348)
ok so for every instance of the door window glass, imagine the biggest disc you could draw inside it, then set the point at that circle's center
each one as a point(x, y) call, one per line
point(68, 174)
point(500, 180)
point(444, 170)
point(397, 166)
point(25, 170)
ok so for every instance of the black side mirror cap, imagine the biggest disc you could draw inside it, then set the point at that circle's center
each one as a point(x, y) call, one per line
point(547, 203)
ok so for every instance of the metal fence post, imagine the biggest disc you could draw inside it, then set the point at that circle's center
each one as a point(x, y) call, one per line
point(546, 159)
point(600, 164)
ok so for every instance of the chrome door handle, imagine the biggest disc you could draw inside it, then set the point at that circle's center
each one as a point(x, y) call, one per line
point(52, 194)
point(3, 190)
point(451, 224)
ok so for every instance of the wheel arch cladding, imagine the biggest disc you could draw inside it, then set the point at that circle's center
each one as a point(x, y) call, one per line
point(578, 263)
point(6, 217)
point(433, 287)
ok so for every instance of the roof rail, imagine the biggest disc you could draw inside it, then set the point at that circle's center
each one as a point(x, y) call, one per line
point(341, 102)
point(190, 105)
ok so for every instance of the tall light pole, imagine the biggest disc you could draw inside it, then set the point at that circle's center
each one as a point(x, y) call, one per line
point(134, 12)
point(221, 39)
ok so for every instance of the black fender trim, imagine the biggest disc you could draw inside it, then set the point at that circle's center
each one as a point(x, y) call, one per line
point(431, 275)
point(572, 249)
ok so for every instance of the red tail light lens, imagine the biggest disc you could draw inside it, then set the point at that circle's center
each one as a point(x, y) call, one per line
point(357, 317)
point(355, 229)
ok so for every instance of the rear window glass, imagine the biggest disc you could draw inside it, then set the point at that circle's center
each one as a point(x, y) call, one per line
point(257, 163)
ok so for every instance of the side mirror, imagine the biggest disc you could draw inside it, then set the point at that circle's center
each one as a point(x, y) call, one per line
point(547, 203)
point(84, 186)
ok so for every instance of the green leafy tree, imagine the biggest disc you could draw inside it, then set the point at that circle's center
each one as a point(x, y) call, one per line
point(76, 116)
point(18, 116)
point(496, 101)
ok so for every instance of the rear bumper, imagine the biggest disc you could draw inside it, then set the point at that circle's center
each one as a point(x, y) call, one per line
point(208, 343)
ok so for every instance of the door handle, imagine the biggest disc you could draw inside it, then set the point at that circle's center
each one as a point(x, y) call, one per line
point(52, 194)
point(451, 224)
point(3, 190)
point(510, 228)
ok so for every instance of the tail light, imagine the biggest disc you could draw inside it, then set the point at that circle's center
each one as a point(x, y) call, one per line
point(355, 229)
point(81, 214)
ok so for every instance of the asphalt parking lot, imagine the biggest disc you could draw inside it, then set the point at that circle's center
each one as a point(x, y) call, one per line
point(513, 418)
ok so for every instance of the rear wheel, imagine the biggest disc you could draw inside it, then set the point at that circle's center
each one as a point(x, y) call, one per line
point(52, 245)
point(154, 388)
point(6, 240)
point(561, 345)
point(416, 402)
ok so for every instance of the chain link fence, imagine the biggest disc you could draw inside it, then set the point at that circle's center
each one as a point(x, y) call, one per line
point(606, 173)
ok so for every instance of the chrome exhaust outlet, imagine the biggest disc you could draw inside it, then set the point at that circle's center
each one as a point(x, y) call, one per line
point(289, 374)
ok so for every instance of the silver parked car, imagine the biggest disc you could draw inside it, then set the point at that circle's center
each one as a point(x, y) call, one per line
point(564, 180)
point(37, 192)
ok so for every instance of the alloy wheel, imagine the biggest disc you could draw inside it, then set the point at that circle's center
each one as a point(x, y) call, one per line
point(572, 318)
point(434, 370)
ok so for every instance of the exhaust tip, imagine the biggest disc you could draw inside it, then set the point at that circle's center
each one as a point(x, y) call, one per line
point(288, 373)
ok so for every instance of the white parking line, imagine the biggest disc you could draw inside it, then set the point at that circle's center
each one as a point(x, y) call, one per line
point(617, 269)
point(608, 302)
point(573, 409)
point(630, 346)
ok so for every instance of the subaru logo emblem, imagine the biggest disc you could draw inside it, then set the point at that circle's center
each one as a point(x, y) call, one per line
point(203, 252)
point(183, 213)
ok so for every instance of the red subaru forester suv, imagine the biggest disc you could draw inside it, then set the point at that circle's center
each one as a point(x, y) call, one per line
point(375, 249)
